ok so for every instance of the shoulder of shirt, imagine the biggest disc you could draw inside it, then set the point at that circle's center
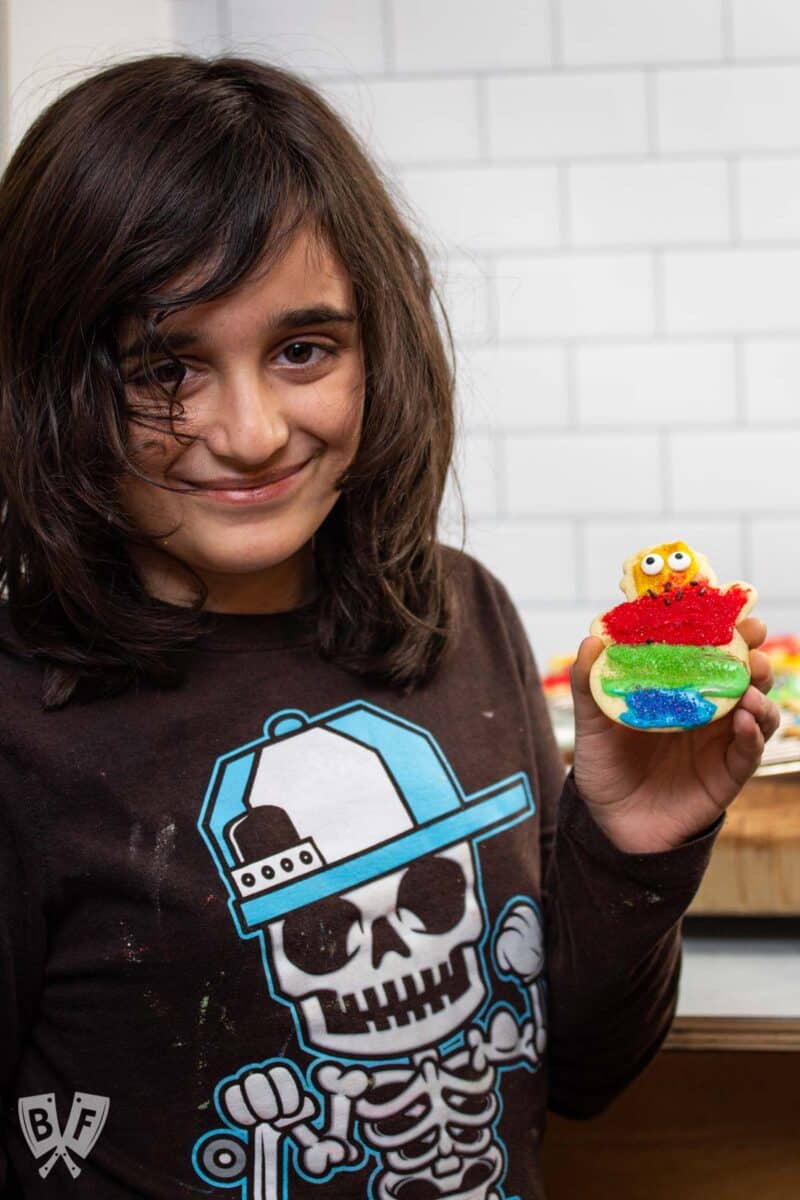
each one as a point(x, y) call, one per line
point(479, 587)
point(471, 572)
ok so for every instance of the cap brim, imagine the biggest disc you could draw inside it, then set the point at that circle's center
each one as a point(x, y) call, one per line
point(502, 805)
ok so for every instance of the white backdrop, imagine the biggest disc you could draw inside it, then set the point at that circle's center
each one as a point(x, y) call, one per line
point(611, 192)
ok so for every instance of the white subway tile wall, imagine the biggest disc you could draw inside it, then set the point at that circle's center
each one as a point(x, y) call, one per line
point(610, 193)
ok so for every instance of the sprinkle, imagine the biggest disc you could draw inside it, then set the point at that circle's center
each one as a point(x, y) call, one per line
point(700, 620)
point(666, 708)
point(706, 670)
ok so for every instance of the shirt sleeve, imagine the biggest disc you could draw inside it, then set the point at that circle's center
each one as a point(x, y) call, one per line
point(22, 948)
point(612, 927)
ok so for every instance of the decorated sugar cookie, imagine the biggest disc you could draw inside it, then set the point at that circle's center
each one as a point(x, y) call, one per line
point(673, 657)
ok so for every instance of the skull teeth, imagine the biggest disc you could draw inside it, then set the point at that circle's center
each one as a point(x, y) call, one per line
point(417, 981)
point(416, 996)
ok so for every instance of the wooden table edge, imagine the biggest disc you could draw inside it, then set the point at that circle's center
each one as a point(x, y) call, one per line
point(734, 1033)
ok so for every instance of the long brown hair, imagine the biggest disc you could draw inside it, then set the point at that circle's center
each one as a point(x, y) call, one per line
point(130, 179)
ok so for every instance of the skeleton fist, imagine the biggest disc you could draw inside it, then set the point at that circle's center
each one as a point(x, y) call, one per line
point(274, 1096)
point(518, 948)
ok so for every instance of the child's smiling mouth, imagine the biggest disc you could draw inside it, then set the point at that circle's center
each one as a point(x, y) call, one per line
point(280, 483)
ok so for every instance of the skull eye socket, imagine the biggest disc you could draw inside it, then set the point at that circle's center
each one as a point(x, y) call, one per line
point(434, 890)
point(315, 938)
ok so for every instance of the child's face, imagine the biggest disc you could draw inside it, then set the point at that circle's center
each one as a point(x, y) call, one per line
point(261, 393)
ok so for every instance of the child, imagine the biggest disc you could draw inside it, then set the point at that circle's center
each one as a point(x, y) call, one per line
point(294, 898)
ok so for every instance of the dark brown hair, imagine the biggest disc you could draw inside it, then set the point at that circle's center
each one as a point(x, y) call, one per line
point(141, 173)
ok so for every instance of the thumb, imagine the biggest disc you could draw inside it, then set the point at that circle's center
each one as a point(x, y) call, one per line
point(585, 706)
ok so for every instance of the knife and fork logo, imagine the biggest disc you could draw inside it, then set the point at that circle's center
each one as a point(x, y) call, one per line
point(39, 1121)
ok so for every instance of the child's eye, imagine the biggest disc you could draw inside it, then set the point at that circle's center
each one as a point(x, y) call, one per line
point(167, 373)
point(300, 354)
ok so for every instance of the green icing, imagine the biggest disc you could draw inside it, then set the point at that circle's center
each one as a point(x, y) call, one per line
point(706, 669)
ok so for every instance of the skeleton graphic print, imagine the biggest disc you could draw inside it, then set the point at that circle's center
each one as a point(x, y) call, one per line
point(371, 919)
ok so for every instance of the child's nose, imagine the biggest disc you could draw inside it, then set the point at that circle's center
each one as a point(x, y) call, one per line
point(249, 423)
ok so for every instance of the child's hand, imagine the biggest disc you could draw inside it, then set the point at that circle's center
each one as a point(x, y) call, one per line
point(654, 791)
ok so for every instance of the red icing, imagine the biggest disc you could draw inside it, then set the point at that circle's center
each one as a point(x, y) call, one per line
point(694, 616)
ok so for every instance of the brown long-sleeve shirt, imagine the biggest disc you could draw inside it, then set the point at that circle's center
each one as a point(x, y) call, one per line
point(279, 934)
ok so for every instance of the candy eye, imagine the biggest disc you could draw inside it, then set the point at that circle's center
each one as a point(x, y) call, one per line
point(679, 560)
point(652, 564)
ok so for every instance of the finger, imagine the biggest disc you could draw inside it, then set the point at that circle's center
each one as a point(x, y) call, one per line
point(588, 652)
point(584, 703)
point(771, 721)
point(261, 1096)
point(761, 671)
point(753, 630)
point(745, 747)
point(285, 1085)
point(235, 1106)
point(765, 713)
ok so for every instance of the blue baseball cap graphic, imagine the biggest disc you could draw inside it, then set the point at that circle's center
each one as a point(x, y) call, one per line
point(321, 805)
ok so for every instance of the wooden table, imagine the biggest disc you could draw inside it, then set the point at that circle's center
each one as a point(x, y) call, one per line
point(716, 1115)
point(755, 866)
point(700, 1123)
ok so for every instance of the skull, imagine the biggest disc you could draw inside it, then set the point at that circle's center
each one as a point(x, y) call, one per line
point(389, 967)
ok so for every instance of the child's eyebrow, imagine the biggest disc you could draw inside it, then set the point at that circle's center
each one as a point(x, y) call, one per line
point(290, 318)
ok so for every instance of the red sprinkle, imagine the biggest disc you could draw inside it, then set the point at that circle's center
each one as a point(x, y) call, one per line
point(703, 618)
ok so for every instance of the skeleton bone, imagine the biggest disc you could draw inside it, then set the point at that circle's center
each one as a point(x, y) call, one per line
point(271, 1102)
point(430, 1120)
point(519, 953)
point(321, 1151)
point(428, 1093)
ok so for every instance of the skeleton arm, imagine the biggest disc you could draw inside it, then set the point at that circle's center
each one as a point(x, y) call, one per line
point(519, 954)
point(273, 1104)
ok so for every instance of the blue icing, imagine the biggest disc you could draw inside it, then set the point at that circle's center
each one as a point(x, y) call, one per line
point(681, 708)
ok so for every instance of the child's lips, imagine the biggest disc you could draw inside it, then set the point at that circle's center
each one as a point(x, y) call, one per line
point(255, 495)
